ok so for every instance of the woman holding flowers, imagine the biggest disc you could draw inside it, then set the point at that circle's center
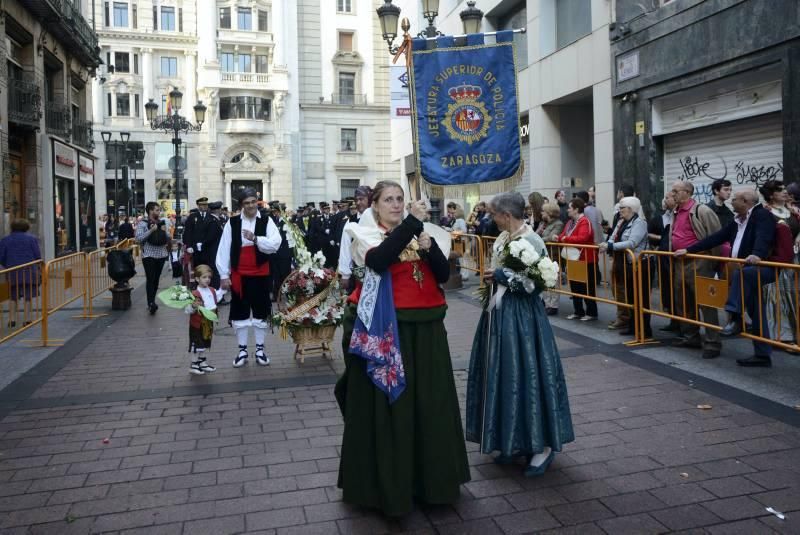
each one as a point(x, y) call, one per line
point(403, 441)
point(516, 394)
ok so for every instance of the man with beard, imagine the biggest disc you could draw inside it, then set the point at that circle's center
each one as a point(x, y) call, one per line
point(243, 263)
point(281, 261)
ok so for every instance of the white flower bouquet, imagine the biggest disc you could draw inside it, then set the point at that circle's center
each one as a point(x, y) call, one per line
point(179, 296)
point(522, 269)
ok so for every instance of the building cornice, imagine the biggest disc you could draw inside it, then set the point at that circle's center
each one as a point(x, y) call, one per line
point(148, 37)
point(347, 107)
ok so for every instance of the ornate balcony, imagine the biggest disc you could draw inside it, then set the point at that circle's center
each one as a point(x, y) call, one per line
point(24, 103)
point(82, 134)
point(245, 78)
point(57, 119)
point(67, 25)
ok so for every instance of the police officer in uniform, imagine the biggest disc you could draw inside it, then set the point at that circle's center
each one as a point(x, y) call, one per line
point(199, 233)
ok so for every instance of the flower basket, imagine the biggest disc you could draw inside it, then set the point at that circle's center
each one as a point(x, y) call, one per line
point(310, 303)
point(316, 335)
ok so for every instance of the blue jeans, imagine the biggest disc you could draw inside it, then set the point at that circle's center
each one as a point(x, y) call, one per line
point(754, 278)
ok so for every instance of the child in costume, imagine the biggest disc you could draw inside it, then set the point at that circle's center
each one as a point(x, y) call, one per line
point(201, 329)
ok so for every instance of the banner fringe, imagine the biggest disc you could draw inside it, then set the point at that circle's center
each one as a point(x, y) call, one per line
point(484, 188)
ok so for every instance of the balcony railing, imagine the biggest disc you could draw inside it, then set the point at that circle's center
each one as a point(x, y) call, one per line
point(57, 119)
point(82, 134)
point(67, 25)
point(245, 78)
point(348, 99)
point(24, 103)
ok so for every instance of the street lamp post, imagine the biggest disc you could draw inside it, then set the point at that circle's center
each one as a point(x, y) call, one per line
point(174, 123)
point(125, 136)
point(137, 160)
point(389, 14)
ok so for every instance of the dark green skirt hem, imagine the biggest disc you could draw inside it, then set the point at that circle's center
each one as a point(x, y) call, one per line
point(413, 450)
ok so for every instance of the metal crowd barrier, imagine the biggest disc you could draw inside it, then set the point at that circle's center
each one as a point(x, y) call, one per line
point(588, 275)
point(42, 288)
point(705, 287)
point(469, 247)
point(20, 298)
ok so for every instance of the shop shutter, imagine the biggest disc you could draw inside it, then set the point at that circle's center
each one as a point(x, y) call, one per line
point(747, 152)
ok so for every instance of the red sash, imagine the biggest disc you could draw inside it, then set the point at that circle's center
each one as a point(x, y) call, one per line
point(247, 268)
point(196, 318)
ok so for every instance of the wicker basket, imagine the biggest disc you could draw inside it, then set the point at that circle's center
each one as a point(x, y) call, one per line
point(316, 334)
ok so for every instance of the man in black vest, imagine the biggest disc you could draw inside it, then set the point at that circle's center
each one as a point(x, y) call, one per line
point(281, 261)
point(243, 264)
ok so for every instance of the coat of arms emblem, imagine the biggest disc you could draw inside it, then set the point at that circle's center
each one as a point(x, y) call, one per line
point(467, 118)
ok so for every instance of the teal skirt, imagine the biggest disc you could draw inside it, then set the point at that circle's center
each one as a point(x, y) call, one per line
point(411, 450)
point(517, 400)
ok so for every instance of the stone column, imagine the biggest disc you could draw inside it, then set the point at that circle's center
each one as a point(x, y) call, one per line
point(207, 31)
point(190, 75)
point(278, 32)
point(147, 75)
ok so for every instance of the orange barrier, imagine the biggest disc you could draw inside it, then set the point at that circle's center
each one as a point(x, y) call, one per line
point(98, 280)
point(20, 284)
point(777, 287)
point(469, 247)
point(486, 256)
point(579, 272)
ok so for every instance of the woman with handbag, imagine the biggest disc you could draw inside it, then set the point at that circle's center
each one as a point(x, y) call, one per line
point(151, 233)
point(579, 231)
point(630, 234)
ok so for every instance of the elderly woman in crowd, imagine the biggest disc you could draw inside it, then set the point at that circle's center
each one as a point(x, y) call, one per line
point(578, 230)
point(630, 234)
point(16, 249)
point(403, 441)
point(552, 227)
point(780, 295)
point(517, 400)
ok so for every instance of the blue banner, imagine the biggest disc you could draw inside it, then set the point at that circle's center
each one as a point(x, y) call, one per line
point(466, 119)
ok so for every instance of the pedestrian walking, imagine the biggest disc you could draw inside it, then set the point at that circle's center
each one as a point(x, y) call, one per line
point(517, 401)
point(152, 235)
point(243, 264)
point(201, 329)
point(403, 440)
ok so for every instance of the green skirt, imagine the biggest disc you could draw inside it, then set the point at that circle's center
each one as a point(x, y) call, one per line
point(413, 449)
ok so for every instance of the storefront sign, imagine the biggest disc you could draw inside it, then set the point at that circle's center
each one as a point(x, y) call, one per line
point(398, 87)
point(86, 169)
point(524, 128)
point(65, 161)
point(628, 67)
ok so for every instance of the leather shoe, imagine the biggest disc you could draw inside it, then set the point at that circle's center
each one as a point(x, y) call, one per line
point(755, 362)
point(686, 342)
point(710, 353)
point(731, 329)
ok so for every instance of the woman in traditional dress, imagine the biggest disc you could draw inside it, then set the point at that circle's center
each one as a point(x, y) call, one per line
point(781, 306)
point(403, 440)
point(517, 400)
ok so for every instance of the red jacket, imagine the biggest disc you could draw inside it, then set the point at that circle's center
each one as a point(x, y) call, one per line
point(584, 235)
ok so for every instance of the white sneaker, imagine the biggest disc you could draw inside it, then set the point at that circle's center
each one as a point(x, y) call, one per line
point(195, 369)
point(573, 317)
point(589, 318)
point(206, 367)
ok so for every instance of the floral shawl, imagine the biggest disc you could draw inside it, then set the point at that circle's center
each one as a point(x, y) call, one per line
point(375, 336)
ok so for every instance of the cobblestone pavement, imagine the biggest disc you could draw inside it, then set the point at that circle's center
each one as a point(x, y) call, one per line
point(116, 437)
